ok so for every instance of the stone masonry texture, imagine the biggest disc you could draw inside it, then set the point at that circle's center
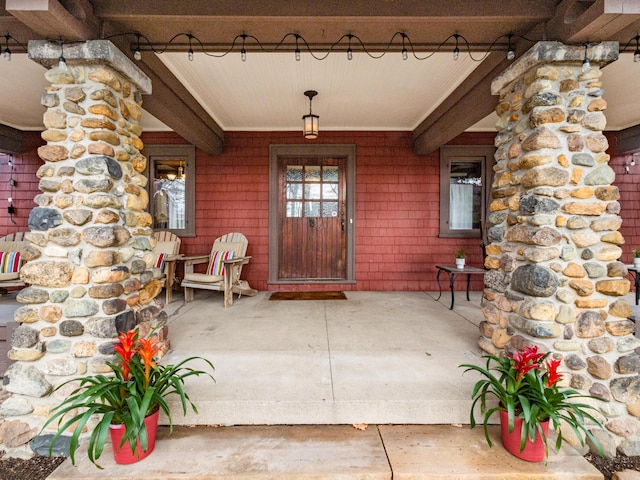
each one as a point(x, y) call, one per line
point(90, 260)
point(555, 279)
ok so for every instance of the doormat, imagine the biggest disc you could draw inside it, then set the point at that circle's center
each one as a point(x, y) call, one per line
point(308, 296)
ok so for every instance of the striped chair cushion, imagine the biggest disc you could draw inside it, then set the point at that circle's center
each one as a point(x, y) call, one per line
point(9, 262)
point(160, 261)
point(216, 267)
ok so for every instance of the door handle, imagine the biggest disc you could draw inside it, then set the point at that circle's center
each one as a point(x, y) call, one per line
point(312, 222)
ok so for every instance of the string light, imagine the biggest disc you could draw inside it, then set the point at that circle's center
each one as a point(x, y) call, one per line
point(349, 51)
point(62, 64)
point(405, 54)
point(636, 55)
point(190, 52)
point(297, 48)
point(586, 64)
point(456, 51)
point(137, 54)
point(7, 51)
point(243, 52)
point(511, 53)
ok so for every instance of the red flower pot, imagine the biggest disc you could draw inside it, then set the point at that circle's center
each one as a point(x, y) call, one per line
point(123, 455)
point(533, 451)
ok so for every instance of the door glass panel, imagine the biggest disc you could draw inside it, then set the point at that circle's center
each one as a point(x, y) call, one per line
point(312, 174)
point(294, 209)
point(312, 192)
point(330, 209)
point(330, 191)
point(330, 174)
point(294, 191)
point(294, 173)
point(312, 209)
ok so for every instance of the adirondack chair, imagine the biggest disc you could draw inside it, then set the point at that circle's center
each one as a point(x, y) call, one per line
point(223, 271)
point(10, 261)
point(166, 253)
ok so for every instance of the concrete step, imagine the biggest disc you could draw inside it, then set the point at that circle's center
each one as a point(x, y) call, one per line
point(333, 452)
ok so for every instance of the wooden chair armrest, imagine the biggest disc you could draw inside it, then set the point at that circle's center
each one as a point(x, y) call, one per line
point(237, 260)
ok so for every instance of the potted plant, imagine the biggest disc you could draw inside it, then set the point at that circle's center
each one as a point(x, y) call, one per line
point(460, 258)
point(529, 400)
point(636, 258)
point(127, 402)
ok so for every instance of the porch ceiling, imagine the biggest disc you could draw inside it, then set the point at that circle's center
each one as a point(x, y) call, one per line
point(202, 99)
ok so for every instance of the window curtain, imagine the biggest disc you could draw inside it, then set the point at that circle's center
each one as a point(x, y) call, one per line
point(461, 206)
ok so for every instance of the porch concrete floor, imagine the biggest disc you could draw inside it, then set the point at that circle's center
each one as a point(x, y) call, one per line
point(293, 376)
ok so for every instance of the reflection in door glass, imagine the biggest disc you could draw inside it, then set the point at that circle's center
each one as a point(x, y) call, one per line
point(294, 209)
point(312, 209)
point(294, 173)
point(329, 191)
point(312, 173)
point(294, 190)
point(330, 174)
point(312, 192)
point(330, 209)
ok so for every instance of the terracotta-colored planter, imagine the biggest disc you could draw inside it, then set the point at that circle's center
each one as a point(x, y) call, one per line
point(123, 455)
point(533, 451)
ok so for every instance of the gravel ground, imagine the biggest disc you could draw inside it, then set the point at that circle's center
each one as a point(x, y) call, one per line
point(39, 468)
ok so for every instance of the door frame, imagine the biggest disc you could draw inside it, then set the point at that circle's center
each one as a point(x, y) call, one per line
point(348, 152)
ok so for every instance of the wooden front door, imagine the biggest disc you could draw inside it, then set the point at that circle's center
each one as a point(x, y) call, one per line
point(312, 218)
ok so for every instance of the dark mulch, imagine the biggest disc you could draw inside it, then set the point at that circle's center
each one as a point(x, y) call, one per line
point(617, 464)
point(35, 468)
point(39, 468)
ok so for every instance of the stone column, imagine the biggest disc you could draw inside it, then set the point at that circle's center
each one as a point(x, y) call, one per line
point(90, 255)
point(554, 277)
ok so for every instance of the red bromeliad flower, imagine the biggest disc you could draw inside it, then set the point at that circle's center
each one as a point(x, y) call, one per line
point(554, 376)
point(147, 349)
point(528, 359)
point(126, 349)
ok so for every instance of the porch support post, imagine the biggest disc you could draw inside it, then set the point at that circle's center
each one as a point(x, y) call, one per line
point(556, 279)
point(90, 254)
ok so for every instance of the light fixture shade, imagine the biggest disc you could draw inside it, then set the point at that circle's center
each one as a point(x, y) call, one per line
point(310, 121)
point(310, 126)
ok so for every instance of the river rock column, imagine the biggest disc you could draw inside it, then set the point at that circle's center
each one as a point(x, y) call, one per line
point(90, 255)
point(554, 277)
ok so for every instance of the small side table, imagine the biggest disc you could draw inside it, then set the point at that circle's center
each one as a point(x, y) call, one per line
point(636, 273)
point(452, 271)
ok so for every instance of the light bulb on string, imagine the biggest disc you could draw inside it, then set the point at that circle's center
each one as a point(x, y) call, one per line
point(243, 51)
point(138, 54)
point(7, 54)
point(405, 54)
point(297, 53)
point(511, 53)
point(586, 64)
point(636, 55)
point(349, 51)
point(190, 53)
point(456, 51)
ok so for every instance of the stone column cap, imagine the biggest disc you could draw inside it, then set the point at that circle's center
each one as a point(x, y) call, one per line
point(93, 52)
point(600, 54)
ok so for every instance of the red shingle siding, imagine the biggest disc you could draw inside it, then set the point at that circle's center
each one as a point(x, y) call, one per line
point(397, 206)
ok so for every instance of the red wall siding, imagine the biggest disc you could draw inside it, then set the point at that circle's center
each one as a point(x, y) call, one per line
point(25, 167)
point(397, 204)
point(629, 187)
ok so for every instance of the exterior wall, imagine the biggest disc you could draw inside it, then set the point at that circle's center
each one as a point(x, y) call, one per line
point(25, 167)
point(397, 203)
point(397, 206)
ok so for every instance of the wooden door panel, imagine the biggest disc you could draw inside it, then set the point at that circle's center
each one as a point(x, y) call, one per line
point(312, 218)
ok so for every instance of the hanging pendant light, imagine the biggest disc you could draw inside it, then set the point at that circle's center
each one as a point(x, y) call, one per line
point(310, 121)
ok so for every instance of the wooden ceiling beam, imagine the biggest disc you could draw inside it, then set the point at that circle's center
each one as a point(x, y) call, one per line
point(575, 21)
point(50, 19)
point(468, 104)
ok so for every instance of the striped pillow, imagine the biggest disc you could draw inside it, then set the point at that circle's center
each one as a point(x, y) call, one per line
point(216, 267)
point(160, 261)
point(9, 262)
